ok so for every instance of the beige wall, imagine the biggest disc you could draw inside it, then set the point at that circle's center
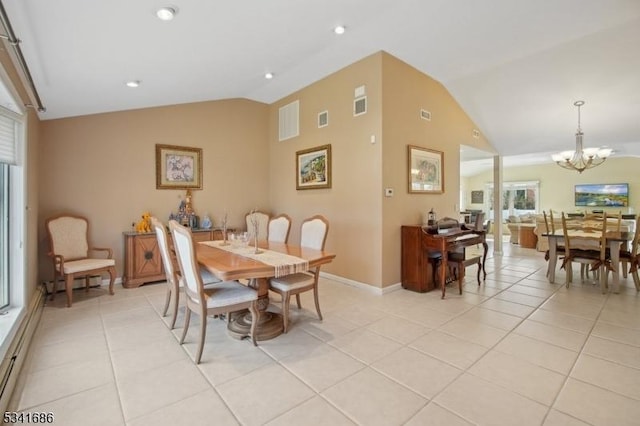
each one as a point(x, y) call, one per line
point(103, 166)
point(405, 92)
point(365, 225)
point(353, 203)
point(557, 184)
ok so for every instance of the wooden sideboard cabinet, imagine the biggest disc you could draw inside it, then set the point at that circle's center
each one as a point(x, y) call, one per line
point(142, 259)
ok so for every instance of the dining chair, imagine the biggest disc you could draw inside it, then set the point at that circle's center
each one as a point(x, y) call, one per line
point(313, 235)
point(631, 256)
point(71, 254)
point(262, 220)
point(220, 298)
point(550, 228)
point(174, 284)
point(278, 230)
point(588, 248)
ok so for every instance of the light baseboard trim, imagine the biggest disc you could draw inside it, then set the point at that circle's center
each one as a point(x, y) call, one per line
point(362, 286)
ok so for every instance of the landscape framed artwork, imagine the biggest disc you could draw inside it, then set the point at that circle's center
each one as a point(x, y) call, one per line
point(426, 170)
point(178, 167)
point(313, 168)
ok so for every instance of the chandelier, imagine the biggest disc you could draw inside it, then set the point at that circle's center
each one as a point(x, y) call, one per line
point(582, 158)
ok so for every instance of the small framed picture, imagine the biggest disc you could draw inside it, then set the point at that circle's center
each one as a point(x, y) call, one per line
point(313, 168)
point(477, 197)
point(178, 167)
point(426, 170)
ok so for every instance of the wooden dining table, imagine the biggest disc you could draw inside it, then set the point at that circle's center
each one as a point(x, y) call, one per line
point(615, 239)
point(228, 265)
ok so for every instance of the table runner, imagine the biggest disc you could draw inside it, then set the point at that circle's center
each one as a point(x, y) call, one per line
point(284, 264)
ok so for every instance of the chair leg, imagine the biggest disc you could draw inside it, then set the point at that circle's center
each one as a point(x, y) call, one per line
point(166, 302)
point(112, 278)
point(203, 333)
point(461, 272)
point(176, 304)
point(636, 280)
point(298, 301)
point(68, 283)
point(285, 310)
point(316, 299)
point(255, 319)
point(479, 269)
point(187, 319)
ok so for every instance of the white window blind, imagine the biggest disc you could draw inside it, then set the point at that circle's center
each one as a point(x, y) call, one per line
point(8, 137)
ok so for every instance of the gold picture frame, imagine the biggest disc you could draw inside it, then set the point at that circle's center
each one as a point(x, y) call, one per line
point(425, 170)
point(313, 168)
point(178, 167)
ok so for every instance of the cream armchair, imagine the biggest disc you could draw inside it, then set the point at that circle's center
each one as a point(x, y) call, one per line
point(70, 253)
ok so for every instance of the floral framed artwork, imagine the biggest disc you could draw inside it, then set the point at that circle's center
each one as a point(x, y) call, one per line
point(313, 168)
point(426, 170)
point(178, 167)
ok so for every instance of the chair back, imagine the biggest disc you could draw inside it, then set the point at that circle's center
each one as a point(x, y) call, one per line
point(189, 268)
point(68, 236)
point(279, 227)
point(163, 244)
point(263, 224)
point(313, 232)
point(636, 237)
point(479, 225)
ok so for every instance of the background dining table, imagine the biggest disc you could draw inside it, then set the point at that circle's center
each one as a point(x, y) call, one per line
point(615, 239)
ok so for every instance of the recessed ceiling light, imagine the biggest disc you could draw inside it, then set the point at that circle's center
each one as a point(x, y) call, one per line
point(133, 83)
point(268, 76)
point(167, 13)
point(340, 29)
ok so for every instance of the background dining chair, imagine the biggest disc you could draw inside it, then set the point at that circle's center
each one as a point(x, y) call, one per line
point(313, 234)
point(221, 298)
point(590, 250)
point(279, 227)
point(70, 252)
point(263, 224)
point(631, 256)
point(174, 284)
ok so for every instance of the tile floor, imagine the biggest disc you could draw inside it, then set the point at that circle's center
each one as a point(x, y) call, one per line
point(516, 351)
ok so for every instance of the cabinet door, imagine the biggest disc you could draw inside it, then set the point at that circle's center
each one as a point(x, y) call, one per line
point(147, 259)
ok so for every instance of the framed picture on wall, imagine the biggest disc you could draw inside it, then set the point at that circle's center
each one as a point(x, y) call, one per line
point(313, 168)
point(426, 170)
point(477, 197)
point(178, 167)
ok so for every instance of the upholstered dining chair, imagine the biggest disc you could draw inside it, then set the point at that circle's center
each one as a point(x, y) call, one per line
point(278, 230)
point(174, 284)
point(220, 298)
point(313, 234)
point(631, 255)
point(263, 224)
point(71, 254)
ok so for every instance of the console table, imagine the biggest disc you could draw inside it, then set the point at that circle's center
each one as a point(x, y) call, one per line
point(142, 259)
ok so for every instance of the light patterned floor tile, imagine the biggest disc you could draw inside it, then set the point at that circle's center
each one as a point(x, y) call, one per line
point(568, 339)
point(608, 375)
point(450, 349)
point(398, 329)
point(369, 398)
point(435, 415)
point(365, 345)
point(313, 412)
point(537, 352)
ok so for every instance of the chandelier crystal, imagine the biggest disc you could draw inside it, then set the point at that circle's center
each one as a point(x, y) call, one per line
point(582, 158)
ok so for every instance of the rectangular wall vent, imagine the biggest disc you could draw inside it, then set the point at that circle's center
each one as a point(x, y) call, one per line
point(323, 119)
point(288, 121)
point(425, 115)
point(360, 106)
point(476, 134)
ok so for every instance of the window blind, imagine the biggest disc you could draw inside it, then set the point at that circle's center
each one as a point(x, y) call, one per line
point(8, 139)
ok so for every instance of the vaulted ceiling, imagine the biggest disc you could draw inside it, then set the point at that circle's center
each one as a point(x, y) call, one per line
point(515, 66)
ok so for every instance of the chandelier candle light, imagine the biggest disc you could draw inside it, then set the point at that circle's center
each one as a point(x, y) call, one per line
point(582, 158)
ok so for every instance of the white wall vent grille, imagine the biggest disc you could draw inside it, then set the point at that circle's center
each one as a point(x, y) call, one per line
point(323, 119)
point(360, 106)
point(288, 121)
point(425, 115)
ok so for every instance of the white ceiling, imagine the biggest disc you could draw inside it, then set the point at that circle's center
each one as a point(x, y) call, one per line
point(515, 66)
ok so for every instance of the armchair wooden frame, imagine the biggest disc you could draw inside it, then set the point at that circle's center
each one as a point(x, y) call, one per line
point(70, 258)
